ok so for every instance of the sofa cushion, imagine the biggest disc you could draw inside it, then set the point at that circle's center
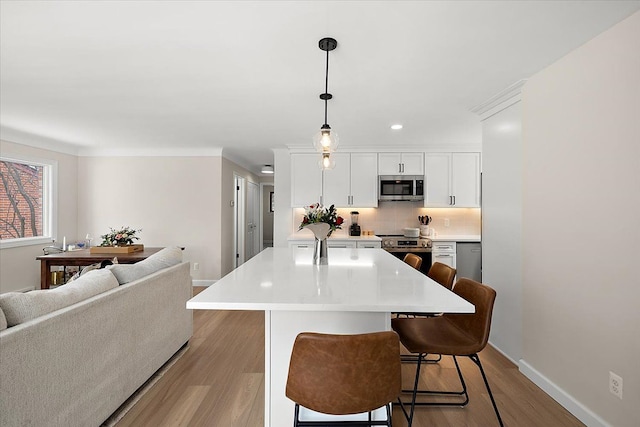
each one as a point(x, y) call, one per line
point(20, 307)
point(164, 258)
point(3, 320)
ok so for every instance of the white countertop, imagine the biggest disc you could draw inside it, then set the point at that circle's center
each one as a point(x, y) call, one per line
point(370, 280)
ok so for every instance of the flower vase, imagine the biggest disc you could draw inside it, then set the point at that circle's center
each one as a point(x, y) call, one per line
point(321, 232)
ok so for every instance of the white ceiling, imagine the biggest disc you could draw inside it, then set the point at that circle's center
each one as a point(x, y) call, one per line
point(190, 77)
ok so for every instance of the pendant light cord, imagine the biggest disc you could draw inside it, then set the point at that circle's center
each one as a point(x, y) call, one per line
point(326, 88)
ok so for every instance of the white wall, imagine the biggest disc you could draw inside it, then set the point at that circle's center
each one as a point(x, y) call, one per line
point(19, 269)
point(502, 225)
point(581, 204)
point(175, 200)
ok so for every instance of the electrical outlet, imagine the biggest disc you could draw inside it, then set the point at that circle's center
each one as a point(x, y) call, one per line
point(196, 266)
point(446, 222)
point(615, 384)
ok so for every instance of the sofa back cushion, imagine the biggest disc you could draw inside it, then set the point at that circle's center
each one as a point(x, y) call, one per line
point(162, 259)
point(21, 307)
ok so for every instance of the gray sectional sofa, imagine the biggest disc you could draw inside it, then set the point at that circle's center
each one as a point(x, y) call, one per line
point(72, 355)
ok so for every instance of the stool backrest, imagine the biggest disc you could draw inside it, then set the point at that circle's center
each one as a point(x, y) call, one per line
point(344, 374)
point(478, 324)
point(442, 274)
point(413, 260)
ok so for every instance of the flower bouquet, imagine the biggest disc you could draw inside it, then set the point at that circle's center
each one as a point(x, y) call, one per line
point(322, 222)
point(119, 241)
point(317, 213)
point(123, 237)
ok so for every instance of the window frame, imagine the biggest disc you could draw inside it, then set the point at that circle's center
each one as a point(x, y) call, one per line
point(49, 202)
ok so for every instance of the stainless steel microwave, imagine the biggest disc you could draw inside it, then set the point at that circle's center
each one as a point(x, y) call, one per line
point(401, 187)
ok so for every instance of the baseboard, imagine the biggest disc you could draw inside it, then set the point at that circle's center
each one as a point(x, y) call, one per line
point(581, 412)
point(515, 362)
point(204, 283)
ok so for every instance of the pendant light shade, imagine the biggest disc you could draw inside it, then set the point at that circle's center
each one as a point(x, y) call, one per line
point(326, 162)
point(326, 140)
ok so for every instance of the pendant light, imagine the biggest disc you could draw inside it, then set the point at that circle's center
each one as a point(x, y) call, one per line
point(326, 141)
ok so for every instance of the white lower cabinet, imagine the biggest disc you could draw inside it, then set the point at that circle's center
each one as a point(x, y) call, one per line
point(444, 253)
point(337, 243)
point(370, 245)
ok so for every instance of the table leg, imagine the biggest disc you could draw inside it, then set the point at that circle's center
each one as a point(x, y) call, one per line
point(45, 274)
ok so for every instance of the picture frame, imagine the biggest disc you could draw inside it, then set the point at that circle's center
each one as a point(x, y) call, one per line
point(271, 201)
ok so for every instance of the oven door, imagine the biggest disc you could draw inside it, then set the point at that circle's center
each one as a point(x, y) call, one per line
point(425, 255)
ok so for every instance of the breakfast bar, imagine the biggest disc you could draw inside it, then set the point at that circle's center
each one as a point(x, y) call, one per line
point(355, 293)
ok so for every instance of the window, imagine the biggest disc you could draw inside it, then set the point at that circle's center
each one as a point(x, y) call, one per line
point(26, 201)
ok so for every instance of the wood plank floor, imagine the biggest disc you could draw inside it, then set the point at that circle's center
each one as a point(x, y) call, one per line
point(219, 381)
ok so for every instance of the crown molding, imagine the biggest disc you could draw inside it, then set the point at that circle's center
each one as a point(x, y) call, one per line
point(500, 101)
point(37, 141)
point(150, 152)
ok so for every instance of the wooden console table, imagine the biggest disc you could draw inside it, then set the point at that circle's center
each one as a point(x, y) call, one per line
point(83, 258)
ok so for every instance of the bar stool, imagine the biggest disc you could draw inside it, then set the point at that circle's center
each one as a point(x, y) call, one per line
point(442, 274)
point(413, 260)
point(450, 334)
point(344, 374)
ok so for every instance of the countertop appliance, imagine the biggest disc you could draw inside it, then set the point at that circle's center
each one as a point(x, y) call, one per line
point(354, 229)
point(399, 245)
point(401, 187)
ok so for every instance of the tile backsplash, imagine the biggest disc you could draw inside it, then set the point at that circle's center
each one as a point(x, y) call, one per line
point(392, 217)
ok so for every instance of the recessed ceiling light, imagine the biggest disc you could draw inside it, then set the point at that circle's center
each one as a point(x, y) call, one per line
point(397, 126)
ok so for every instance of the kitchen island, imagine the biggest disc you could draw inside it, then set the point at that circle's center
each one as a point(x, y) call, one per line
point(355, 293)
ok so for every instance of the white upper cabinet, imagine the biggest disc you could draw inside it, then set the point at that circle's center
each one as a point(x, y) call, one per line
point(452, 180)
point(306, 179)
point(353, 182)
point(401, 164)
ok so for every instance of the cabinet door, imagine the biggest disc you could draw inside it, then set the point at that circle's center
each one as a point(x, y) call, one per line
point(364, 180)
point(301, 244)
point(389, 163)
point(465, 180)
point(447, 259)
point(336, 181)
point(370, 245)
point(437, 191)
point(412, 164)
point(348, 244)
point(306, 179)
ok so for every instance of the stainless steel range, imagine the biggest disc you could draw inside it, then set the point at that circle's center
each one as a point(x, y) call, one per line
point(399, 245)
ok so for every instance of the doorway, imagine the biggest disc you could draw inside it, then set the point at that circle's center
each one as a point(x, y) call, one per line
point(253, 220)
point(238, 220)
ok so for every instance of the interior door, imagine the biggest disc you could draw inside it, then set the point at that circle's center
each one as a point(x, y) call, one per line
point(253, 220)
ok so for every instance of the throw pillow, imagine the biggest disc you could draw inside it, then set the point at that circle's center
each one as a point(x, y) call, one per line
point(167, 257)
point(21, 307)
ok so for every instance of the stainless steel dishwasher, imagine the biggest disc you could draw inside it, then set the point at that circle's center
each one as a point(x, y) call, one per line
point(469, 260)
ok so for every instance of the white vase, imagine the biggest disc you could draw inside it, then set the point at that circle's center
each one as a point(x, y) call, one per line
point(321, 232)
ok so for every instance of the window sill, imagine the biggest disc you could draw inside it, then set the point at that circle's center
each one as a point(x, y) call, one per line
point(27, 241)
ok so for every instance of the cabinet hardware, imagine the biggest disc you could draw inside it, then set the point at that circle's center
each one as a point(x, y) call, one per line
point(454, 200)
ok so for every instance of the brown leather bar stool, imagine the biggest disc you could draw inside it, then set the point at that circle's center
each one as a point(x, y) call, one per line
point(442, 274)
point(450, 334)
point(413, 260)
point(344, 374)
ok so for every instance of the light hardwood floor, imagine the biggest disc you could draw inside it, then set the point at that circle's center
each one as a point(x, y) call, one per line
point(219, 381)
